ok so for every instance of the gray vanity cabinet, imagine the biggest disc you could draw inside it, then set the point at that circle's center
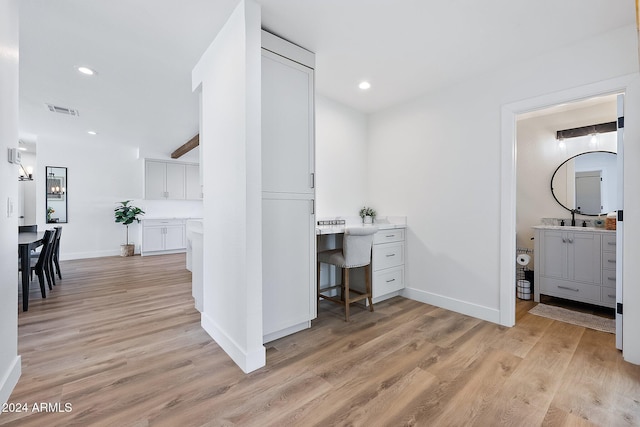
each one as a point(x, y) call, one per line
point(569, 264)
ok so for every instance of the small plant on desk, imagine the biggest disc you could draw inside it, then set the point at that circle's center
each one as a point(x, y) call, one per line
point(367, 214)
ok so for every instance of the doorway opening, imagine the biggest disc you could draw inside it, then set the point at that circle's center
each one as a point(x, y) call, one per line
point(570, 182)
point(508, 190)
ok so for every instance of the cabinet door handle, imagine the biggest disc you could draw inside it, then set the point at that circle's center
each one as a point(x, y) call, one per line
point(611, 243)
point(392, 280)
point(390, 235)
point(564, 240)
point(570, 240)
point(612, 261)
point(611, 296)
point(568, 288)
point(390, 255)
point(611, 278)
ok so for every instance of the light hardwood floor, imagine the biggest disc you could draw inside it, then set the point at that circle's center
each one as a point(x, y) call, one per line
point(120, 341)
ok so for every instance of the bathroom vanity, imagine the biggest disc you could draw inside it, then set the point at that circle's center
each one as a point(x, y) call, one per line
point(575, 263)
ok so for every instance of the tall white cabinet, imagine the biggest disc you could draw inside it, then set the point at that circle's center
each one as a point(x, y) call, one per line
point(288, 188)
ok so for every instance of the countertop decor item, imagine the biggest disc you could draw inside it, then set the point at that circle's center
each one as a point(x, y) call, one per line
point(610, 221)
point(367, 214)
point(126, 214)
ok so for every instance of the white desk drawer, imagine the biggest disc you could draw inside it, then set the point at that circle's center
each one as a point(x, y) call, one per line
point(388, 236)
point(387, 256)
point(387, 281)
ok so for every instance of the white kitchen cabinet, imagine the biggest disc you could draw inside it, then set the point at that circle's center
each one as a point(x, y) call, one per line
point(192, 176)
point(163, 236)
point(288, 219)
point(175, 181)
point(171, 180)
point(573, 264)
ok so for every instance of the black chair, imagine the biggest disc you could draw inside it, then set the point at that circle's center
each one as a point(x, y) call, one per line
point(28, 228)
point(56, 251)
point(40, 265)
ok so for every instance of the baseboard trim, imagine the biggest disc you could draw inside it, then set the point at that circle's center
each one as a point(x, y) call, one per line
point(10, 379)
point(247, 361)
point(463, 307)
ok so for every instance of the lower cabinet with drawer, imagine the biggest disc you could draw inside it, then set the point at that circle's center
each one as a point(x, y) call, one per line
point(161, 236)
point(575, 265)
point(387, 263)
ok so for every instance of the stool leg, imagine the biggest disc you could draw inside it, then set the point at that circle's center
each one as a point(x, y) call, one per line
point(346, 294)
point(367, 280)
point(343, 275)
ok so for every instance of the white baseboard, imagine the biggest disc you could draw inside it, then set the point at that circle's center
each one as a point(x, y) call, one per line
point(464, 307)
point(247, 361)
point(10, 379)
point(84, 255)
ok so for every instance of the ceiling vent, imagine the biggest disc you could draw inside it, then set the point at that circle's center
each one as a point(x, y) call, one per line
point(63, 110)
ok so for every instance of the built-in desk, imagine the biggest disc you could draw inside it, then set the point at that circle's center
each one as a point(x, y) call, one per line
point(388, 256)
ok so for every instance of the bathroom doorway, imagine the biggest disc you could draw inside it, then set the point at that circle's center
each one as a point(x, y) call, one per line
point(555, 175)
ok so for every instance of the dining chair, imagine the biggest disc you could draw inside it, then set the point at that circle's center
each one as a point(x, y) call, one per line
point(28, 228)
point(39, 265)
point(55, 253)
point(355, 252)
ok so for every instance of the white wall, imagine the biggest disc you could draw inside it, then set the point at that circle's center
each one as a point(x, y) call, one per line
point(99, 175)
point(341, 159)
point(437, 159)
point(539, 154)
point(10, 366)
point(230, 80)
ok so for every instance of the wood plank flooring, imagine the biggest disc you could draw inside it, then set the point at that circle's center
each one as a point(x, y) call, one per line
point(119, 340)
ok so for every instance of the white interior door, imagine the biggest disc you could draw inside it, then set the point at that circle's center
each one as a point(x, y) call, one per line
point(588, 191)
point(620, 225)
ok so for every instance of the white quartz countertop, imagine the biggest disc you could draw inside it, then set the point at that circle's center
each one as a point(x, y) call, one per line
point(572, 228)
point(388, 223)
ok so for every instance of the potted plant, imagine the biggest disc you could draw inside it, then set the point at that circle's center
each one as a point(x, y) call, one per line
point(367, 214)
point(126, 214)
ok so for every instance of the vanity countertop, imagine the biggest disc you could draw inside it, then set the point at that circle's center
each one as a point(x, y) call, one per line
point(572, 228)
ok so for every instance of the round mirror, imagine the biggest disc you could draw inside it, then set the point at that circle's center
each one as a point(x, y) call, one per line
point(587, 183)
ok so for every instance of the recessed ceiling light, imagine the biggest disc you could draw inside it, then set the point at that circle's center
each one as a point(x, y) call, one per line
point(86, 70)
point(92, 132)
point(364, 85)
point(22, 149)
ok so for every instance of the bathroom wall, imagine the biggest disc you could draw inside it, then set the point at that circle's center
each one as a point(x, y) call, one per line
point(539, 154)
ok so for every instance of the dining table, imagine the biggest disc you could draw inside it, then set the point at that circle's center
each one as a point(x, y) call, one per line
point(26, 243)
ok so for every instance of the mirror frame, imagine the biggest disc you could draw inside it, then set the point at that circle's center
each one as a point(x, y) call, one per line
point(65, 193)
point(562, 164)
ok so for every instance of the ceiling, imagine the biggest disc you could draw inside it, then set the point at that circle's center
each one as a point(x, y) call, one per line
point(144, 51)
